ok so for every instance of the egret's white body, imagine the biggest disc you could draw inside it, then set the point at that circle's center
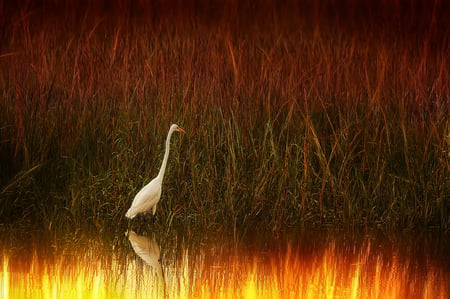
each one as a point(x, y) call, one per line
point(149, 196)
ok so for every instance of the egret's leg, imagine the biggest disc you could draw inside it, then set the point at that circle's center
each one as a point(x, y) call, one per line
point(127, 233)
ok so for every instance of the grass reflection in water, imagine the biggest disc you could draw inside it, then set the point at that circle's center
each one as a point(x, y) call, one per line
point(332, 269)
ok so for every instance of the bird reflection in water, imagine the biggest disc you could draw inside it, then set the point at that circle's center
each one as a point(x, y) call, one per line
point(148, 250)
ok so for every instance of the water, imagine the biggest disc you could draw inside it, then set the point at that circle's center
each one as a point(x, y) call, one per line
point(318, 264)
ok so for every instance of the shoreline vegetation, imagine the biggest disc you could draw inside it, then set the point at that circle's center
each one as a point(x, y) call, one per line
point(297, 115)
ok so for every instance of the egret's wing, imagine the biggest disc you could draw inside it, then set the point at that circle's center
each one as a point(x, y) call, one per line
point(146, 198)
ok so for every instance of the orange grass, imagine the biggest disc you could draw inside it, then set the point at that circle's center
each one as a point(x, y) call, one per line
point(333, 270)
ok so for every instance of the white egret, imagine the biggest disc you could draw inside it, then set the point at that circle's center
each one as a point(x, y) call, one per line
point(148, 197)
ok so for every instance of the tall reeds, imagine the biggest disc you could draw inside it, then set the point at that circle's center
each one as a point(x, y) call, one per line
point(308, 114)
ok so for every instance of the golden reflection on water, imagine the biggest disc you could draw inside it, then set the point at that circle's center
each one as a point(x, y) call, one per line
point(221, 271)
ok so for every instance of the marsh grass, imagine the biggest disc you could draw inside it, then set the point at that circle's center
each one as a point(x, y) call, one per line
point(303, 115)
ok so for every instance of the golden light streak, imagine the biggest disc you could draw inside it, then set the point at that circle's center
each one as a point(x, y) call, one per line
point(5, 278)
point(325, 274)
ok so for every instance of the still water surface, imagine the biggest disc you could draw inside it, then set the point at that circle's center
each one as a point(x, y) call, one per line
point(300, 265)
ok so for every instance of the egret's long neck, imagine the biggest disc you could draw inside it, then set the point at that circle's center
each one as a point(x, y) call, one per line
point(166, 156)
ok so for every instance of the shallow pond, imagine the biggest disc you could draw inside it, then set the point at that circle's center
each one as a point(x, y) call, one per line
point(320, 264)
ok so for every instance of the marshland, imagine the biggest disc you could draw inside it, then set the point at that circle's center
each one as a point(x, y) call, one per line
point(330, 117)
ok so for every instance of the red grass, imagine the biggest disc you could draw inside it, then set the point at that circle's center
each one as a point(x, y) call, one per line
point(322, 96)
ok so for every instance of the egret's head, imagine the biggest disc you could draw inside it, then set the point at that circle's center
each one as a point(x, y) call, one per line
point(175, 127)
